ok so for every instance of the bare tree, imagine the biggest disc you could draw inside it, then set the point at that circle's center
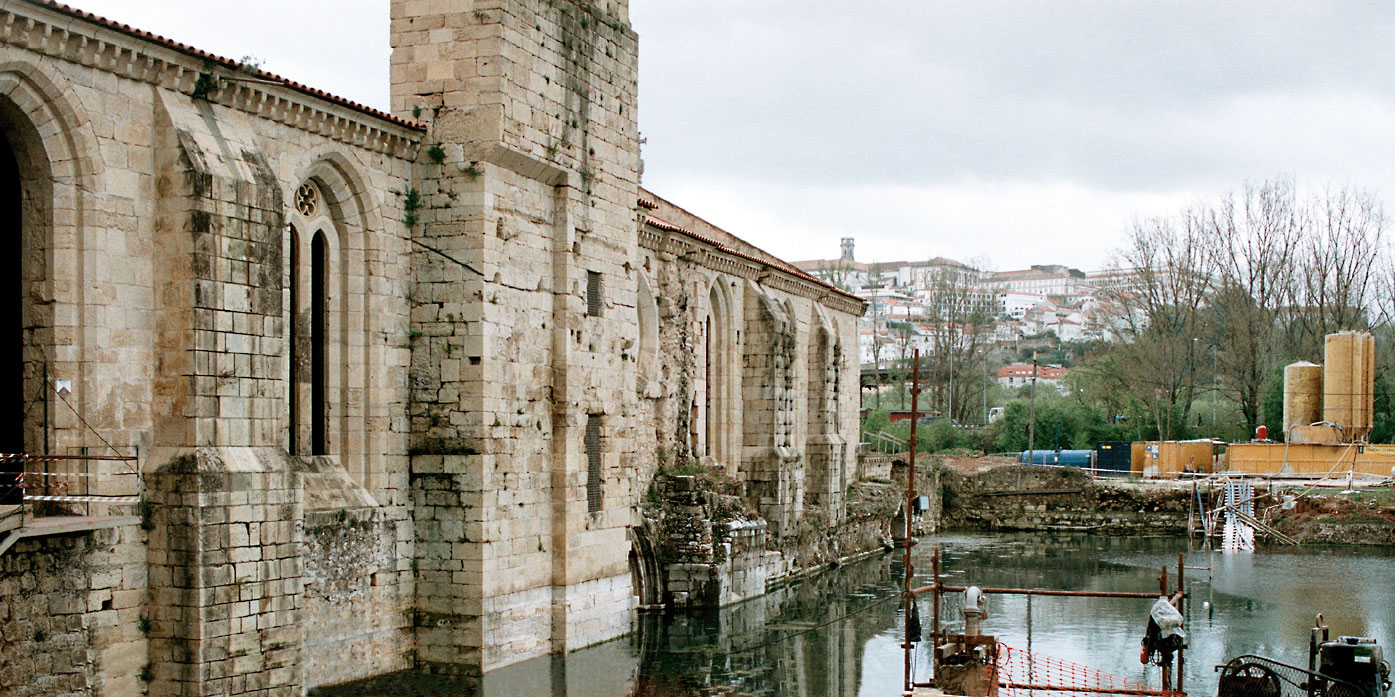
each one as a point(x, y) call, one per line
point(1258, 244)
point(1160, 314)
point(959, 318)
point(1254, 280)
point(1342, 259)
point(839, 272)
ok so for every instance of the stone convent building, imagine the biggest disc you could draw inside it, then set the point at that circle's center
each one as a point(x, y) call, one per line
point(330, 392)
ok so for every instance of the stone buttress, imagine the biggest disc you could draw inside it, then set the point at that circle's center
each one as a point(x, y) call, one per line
point(524, 224)
point(224, 559)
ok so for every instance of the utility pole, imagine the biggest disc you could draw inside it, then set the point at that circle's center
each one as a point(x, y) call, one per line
point(1032, 413)
point(949, 408)
point(907, 598)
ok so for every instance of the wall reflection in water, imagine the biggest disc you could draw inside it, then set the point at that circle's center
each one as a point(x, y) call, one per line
point(803, 640)
point(838, 633)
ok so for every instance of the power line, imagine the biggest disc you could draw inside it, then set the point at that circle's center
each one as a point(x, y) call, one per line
point(84, 423)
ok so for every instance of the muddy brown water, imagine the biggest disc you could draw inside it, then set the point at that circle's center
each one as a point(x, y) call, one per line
point(840, 632)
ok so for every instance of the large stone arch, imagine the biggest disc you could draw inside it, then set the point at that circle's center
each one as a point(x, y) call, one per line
point(825, 449)
point(721, 381)
point(771, 460)
point(53, 150)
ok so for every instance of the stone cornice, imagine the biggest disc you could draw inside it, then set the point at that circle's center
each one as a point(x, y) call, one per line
point(679, 245)
point(58, 32)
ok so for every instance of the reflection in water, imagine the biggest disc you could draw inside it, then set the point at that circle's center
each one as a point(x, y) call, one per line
point(1262, 602)
point(839, 633)
point(805, 639)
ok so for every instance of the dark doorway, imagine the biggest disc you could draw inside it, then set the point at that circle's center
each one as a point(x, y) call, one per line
point(11, 303)
point(11, 325)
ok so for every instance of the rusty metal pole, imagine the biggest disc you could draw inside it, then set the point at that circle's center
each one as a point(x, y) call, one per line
point(935, 636)
point(906, 595)
point(1162, 586)
point(1182, 607)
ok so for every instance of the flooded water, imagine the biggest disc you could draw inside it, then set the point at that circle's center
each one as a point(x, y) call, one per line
point(840, 633)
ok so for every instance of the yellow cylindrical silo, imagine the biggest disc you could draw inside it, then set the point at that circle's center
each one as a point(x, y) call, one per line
point(1363, 402)
point(1348, 392)
point(1302, 395)
point(1336, 379)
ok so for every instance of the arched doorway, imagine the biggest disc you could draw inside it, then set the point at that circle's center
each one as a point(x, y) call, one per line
point(12, 398)
point(28, 187)
point(646, 581)
point(27, 201)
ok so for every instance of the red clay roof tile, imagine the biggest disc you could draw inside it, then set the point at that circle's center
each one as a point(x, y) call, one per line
point(225, 62)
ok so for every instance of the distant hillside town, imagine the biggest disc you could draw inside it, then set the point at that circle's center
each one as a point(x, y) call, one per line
point(912, 304)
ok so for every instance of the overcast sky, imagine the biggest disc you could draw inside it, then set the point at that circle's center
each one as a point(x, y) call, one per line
point(1021, 132)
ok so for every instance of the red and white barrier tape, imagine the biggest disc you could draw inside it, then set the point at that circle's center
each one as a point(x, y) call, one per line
point(86, 499)
point(74, 474)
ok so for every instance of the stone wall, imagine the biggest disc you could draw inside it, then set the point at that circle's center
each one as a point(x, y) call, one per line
point(714, 550)
point(1041, 498)
point(225, 575)
point(73, 615)
point(357, 603)
point(525, 319)
point(751, 374)
point(453, 327)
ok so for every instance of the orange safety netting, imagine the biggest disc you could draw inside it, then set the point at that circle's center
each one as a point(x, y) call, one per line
point(1024, 674)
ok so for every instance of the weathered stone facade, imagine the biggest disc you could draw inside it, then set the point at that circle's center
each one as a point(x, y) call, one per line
point(396, 383)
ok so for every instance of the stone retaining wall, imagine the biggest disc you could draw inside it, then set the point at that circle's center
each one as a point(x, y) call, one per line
point(70, 620)
point(1040, 498)
point(357, 602)
point(713, 554)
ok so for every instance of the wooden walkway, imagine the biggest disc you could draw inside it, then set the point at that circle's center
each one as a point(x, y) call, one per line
point(63, 525)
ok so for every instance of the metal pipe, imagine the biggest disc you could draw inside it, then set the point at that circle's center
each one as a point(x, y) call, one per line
point(935, 650)
point(909, 597)
point(1040, 591)
point(1068, 688)
point(1031, 417)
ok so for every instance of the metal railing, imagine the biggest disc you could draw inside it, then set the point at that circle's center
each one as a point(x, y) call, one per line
point(885, 442)
point(29, 481)
point(1257, 676)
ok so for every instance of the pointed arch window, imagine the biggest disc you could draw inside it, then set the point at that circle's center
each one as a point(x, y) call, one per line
point(717, 373)
point(309, 333)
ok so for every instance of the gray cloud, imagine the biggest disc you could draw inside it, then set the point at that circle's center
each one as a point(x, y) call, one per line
point(1115, 95)
point(1028, 131)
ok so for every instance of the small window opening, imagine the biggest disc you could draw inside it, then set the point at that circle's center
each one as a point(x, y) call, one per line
point(593, 463)
point(594, 296)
